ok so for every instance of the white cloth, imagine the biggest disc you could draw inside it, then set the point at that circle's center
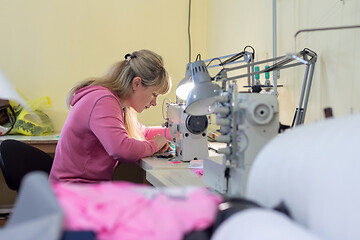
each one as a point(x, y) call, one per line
point(261, 224)
point(315, 170)
point(8, 92)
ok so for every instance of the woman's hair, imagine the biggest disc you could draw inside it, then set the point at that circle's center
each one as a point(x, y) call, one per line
point(145, 64)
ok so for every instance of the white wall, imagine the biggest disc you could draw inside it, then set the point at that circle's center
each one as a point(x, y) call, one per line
point(232, 24)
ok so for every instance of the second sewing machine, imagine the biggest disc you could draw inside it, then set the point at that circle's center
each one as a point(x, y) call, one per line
point(189, 133)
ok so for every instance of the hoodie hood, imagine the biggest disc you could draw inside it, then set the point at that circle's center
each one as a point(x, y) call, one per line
point(86, 90)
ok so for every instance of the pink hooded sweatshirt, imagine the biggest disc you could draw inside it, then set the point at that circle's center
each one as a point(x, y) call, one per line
point(94, 139)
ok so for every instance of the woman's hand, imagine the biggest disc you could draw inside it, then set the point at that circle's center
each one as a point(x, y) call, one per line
point(162, 143)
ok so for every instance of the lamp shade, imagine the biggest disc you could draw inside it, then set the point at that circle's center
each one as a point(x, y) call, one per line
point(185, 85)
point(202, 97)
point(183, 90)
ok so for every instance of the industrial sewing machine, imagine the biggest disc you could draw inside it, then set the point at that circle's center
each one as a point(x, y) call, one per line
point(246, 127)
point(247, 120)
point(189, 133)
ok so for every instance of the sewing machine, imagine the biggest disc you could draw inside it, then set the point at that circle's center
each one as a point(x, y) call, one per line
point(247, 120)
point(246, 127)
point(189, 133)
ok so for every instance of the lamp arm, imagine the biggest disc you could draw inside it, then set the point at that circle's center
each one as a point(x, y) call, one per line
point(248, 57)
point(282, 62)
point(261, 71)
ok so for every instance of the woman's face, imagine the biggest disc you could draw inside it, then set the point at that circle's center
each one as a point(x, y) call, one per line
point(142, 97)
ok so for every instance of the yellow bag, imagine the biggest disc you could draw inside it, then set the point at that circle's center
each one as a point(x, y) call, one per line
point(27, 124)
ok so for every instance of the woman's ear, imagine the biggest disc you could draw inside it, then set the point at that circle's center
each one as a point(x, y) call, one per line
point(136, 83)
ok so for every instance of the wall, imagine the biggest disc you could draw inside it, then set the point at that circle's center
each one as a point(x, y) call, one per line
point(234, 24)
point(48, 46)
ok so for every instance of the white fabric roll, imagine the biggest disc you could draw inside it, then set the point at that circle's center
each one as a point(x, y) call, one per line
point(315, 170)
point(261, 224)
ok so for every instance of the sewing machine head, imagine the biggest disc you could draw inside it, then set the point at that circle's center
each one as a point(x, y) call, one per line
point(189, 133)
point(248, 124)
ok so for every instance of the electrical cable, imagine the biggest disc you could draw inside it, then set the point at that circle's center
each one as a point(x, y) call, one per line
point(212, 149)
point(189, 37)
point(221, 63)
point(253, 53)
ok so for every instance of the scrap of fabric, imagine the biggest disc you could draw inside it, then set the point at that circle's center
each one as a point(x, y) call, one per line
point(123, 210)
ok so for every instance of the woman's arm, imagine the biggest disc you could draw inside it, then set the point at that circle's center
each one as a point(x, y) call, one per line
point(151, 132)
point(107, 123)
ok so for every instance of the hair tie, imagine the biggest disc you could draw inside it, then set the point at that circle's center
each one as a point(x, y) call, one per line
point(127, 57)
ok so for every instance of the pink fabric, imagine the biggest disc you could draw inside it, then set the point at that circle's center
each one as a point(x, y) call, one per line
point(120, 210)
point(94, 139)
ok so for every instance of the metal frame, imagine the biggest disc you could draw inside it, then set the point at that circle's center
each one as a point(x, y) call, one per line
point(305, 57)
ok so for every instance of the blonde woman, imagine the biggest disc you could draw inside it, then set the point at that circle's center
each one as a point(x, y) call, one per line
point(102, 130)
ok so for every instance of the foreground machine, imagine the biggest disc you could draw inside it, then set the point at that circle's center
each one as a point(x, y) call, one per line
point(249, 119)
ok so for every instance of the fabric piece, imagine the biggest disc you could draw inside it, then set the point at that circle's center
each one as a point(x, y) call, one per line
point(94, 139)
point(259, 224)
point(122, 210)
point(316, 175)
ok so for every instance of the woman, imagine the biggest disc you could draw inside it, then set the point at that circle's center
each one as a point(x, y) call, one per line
point(102, 129)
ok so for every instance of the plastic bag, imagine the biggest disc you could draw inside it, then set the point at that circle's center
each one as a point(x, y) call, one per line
point(27, 124)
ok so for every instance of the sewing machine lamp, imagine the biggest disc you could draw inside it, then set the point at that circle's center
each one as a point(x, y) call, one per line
point(185, 85)
point(202, 97)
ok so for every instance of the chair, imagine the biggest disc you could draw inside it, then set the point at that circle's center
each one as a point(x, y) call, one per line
point(18, 158)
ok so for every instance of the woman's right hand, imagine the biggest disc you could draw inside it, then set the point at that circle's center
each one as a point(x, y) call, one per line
point(162, 143)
